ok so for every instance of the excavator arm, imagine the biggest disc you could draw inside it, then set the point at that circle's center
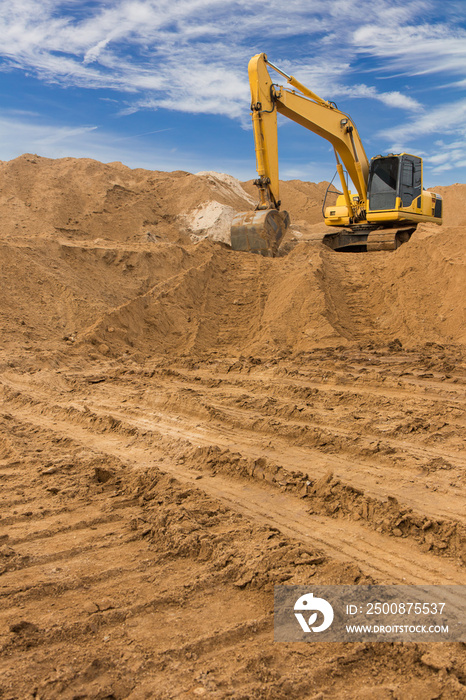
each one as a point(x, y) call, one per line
point(313, 113)
point(261, 231)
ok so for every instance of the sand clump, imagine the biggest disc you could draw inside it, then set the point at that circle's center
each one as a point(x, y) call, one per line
point(211, 220)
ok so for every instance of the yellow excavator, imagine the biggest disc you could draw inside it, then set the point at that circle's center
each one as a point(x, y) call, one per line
point(387, 204)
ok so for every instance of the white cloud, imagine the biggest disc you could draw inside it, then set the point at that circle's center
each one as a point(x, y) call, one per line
point(87, 141)
point(441, 156)
point(415, 49)
point(448, 156)
point(392, 99)
point(35, 138)
point(446, 119)
point(191, 55)
point(397, 99)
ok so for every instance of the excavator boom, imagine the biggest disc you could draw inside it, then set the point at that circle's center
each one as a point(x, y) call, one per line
point(306, 109)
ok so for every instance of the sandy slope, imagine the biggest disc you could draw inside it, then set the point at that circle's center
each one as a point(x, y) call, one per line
point(184, 426)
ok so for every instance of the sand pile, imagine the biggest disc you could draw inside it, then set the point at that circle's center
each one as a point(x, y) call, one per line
point(106, 255)
point(224, 302)
point(454, 203)
point(81, 199)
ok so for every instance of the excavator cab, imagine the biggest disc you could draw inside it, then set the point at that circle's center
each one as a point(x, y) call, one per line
point(395, 203)
point(383, 183)
point(395, 193)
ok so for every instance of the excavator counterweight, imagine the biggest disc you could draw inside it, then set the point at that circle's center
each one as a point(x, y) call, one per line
point(387, 204)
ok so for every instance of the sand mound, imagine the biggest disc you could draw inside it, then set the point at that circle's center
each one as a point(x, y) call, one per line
point(83, 200)
point(454, 204)
point(223, 302)
point(102, 254)
point(235, 304)
point(414, 294)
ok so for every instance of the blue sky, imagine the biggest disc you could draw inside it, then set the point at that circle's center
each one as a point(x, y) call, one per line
point(162, 84)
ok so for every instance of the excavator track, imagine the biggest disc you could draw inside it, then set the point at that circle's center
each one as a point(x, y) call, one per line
point(368, 239)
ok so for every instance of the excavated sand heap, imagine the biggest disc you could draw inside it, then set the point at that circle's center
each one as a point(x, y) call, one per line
point(130, 261)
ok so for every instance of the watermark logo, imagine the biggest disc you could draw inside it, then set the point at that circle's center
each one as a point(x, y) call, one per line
point(308, 604)
point(372, 613)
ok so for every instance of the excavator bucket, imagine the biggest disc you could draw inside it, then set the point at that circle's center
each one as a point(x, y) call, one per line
point(259, 231)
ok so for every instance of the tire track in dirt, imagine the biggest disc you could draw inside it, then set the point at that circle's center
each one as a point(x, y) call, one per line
point(378, 473)
point(382, 557)
point(59, 601)
point(377, 481)
point(102, 587)
point(78, 605)
point(375, 476)
point(348, 296)
point(332, 381)
point(321, 394)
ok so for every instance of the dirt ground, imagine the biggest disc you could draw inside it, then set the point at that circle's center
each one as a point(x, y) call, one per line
point(184, 426)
